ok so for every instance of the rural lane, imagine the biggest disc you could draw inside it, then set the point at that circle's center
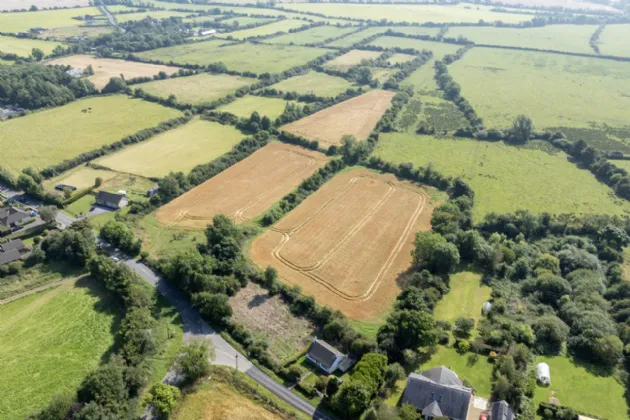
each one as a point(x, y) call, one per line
point(196, 328)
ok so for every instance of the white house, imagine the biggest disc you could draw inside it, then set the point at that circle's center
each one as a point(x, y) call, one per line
point(324, 356)
point(543, 375)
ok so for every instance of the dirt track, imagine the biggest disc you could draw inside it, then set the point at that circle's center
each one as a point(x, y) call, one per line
point(347, 243)
point(357, 116)
point(245, 190)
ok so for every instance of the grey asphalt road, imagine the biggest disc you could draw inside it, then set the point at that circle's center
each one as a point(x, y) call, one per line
point(196, 328)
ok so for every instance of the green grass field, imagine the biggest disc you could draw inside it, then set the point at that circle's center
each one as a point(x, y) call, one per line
point(80, 177)
point(23, 47)
point(556, 91)
point(176, 150)
point(614, 40)
point(410, 13)
point(465, 299)
point(242, 21)
point(506, 178)
point(281, 26)
point(197, 89)
point(576, 387)
point(81, 206)
point(244, 107)
point(438, 113)
point(382, 74)
point(570, 38)
point(314, 82)
point(439, 49)
point(400, 58)
point(416, 30)
point(61, 34)
point(6, 62)
point(259, 58)
point(22, 22)
point(352, 39)
point(163, 14)
point(49, 342)
point(65, 132)
point(161, 241)
point(423, 80)
point(32, 278)
point(350, 59)
point(316, 35)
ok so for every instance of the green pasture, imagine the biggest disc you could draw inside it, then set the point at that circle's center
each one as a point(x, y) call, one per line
point(243, 21)
point(22, 22)
point(350, 40)
point(161, 14)
point(32, 278)
point(161, 241)
point(400, 58)
point(438, 113)
point(50, 340)
point(245, 107)
point(350, 59)
point(578, 386)
point(197, 89)
point(316, 35)
point(260, 58)
point(614, 40)
point(177, 150)
point(255, 11)
point(569, 38)
point(382, 74)
point(557, 91)
point(423, 79)
point(506, 178)
point(465, 299)
point(80, 177)
point(410, 13)
point(439, 49)
point(62, 34)
point(316, 83)
point(23, 47)
point(416, 30)
point(6, 62)
point(280, 26)
point(56, 134)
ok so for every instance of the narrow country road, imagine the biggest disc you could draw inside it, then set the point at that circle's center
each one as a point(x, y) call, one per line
point(195, 327)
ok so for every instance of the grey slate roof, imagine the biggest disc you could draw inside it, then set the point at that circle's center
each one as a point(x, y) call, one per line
point(9, 215)
point(438, 385)
point(501, 411)
point(323, 353)
point(432, 410)
point(10, 256)
point(12, 245)
point(105, 196)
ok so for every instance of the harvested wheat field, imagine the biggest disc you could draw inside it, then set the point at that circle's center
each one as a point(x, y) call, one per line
point(357, 116)
point(106, 68)
point(244, 190)
point(347, 243)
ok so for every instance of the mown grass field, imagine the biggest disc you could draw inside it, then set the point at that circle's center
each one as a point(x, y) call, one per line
point(281, 26)
point(555, 90)
point(506, 178)
point(313, 82)
point(197, 89)
point(49, 341)
point(350, 59)
point(465, 299)
point(245, 107)
point(177, 150)
point(569, 38)
point(578, 388)
point(423, 80)
point(80, 177)
point(260, 58)
point(23, 47)
point(352, 39)
point(161, 241)
point(111, 118)
point(614, 40)
point(410, 13)
point(22, 22)
point(315, 35)
point(439, 49)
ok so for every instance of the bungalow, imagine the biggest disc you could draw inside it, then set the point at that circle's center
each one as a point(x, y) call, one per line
point(11, 217)
point(324, 356)
point(111, 200)
point(437, 393)
point(11, 251)
point(501, 410)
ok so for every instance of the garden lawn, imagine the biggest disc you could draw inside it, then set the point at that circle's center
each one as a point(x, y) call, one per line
point(22, 22)
point(259, 58)
point(576, 387)
point(49, 341)
point(24, 47)
point(557, 91)
point(465, 299)
point(568, 38)
point(197, 89)
point(177, 150)
point(81, 206)
point(80, 177)
point(614, 40)
point(439, 49)
point(56, 134)
point(244, 107)
point(315, 83)
point(479, 374)
point(506, 178)
point(284, 25)
point(316, 35)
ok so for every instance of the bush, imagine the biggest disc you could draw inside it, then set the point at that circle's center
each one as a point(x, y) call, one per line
point(463, 347)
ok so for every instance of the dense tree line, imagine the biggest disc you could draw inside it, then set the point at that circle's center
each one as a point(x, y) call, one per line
point(121, 236)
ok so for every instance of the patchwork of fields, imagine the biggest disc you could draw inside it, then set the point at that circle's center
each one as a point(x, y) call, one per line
point(613, 40)
point(281, 26)
point(315, 35)
point(350, 59)
point(246, 106)
point(439, 49)
point(347, 242)
point(245, 190)
point(22, 22)
point(315, 83)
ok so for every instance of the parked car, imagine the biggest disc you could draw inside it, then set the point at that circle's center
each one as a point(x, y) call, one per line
point(115, 259)
point(483, 416)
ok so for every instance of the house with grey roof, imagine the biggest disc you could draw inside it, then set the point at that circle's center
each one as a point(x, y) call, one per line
point(438, 392)
point(12, 251)
point(324, 356)
point(111, 200)
point(11, 217)
point(501, 410)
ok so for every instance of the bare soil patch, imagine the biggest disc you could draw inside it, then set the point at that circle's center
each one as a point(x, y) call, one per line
point(245, 190)
point(357, 116)
point(269, 318)
point(347, 243)
point(106, 68)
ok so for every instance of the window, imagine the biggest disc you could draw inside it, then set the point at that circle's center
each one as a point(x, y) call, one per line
point(440, 396)
point(432, 396)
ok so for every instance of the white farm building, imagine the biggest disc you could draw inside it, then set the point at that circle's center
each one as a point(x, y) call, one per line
point(543, 374)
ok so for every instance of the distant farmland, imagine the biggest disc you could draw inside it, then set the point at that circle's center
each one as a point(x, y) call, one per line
point(244, 107)
point(22, 22)
point(350, 59)
point(311, 36)
point(23, 47)
point(313, 82)
point(439, 49)
point(244, 190)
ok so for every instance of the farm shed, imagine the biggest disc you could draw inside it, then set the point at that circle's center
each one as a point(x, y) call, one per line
point(543, 374)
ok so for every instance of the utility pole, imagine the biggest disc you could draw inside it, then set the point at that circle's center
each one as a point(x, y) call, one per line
point(237, 362)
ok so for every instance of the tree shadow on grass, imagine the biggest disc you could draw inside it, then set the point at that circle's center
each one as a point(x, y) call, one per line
point(258, 300)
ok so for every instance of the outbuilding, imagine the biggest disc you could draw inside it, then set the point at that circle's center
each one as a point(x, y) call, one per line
point(543, 374)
